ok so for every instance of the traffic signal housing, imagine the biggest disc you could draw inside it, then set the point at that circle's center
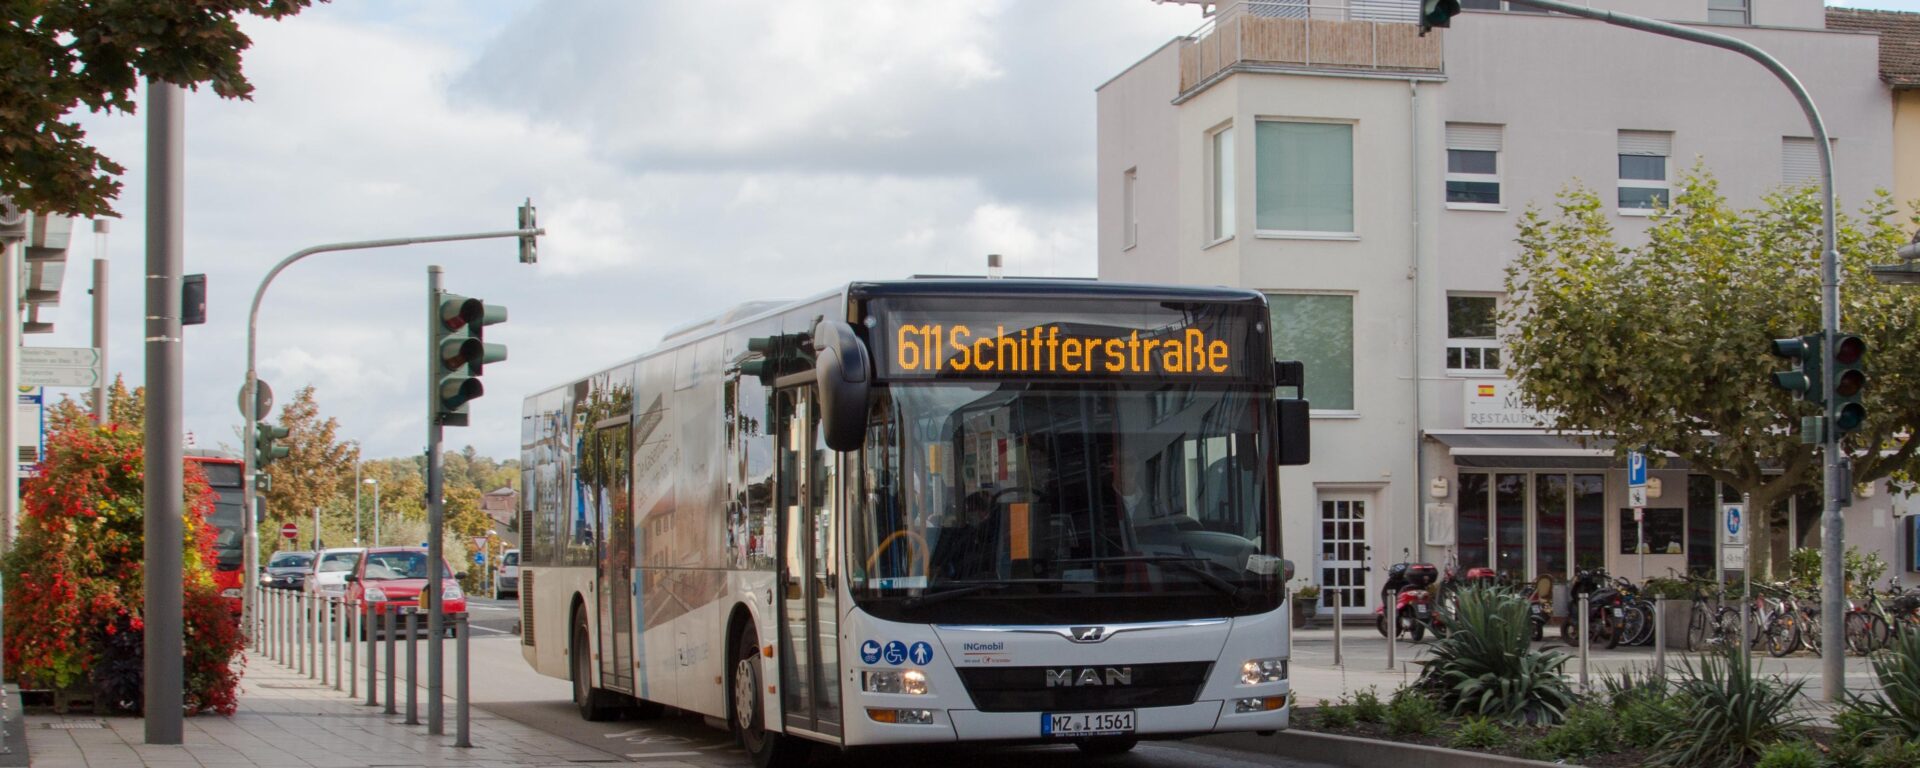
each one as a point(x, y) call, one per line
point(461, 353)
point(264, 451)
point(1437, 13)
point(1804, 380)
point(1849, 382)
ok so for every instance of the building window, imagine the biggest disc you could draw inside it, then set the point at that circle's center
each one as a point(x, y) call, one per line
point(1729, 12)
point(1222, 193)
point(1643, 171)
point(1473, 166)
point(1473, 347)
point(1304, 174)
point(1800, 161)
point(1129, 217)
point(1317, 330)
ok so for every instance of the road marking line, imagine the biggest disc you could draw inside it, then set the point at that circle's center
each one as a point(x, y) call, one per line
point(653, 755)
point(488, 629)
point(624, 734)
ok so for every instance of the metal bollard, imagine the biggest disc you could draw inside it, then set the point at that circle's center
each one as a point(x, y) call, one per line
point(1339, 606)
point(1660, 637)
point(460, 630)
point(338, 637)
point(313, 637)
point(279, 626)
point(352, 616)
point(1393, 629)
point(324, 626)
point(413, 670)
point(371, 630)
point(300, 639)
point(389, 621)
point(1585, 641)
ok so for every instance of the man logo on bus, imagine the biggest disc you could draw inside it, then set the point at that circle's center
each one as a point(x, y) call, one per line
point(1086, 676)
point(1089, 634)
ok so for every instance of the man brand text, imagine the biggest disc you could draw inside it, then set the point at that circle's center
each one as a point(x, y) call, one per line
point(1074, 678)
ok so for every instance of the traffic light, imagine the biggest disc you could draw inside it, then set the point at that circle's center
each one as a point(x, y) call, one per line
point(780, 355)
point(1849, 382)
point(461, 352)
point(264, 451)
point(1804, 380)
point(528, 246)
point(1437, 13)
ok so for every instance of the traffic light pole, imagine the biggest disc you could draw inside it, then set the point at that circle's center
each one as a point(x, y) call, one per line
point(249, 404)
point(1833, 591)
point(165, 635)
point(436, 515)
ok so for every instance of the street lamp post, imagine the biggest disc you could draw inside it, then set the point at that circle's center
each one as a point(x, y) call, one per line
point(375, 482)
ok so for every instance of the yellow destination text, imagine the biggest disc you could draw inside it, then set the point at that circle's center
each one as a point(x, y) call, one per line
point(941, 348)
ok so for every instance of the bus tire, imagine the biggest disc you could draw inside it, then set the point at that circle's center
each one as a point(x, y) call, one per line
point(748, 718)
point(596, 705)
point(1103, 746)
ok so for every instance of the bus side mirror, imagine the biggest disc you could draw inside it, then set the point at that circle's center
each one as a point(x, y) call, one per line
point(1296, 444)
point(843, 376)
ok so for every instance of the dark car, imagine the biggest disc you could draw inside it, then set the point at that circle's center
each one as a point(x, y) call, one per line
point(286, 570)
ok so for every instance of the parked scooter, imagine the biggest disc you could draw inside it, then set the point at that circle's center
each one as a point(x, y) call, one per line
point(1407, 591)
point(1606, 609)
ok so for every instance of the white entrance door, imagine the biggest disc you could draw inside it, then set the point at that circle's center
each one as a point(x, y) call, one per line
point(1343, 554)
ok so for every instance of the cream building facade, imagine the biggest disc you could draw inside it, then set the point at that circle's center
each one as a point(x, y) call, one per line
point(1369, 181)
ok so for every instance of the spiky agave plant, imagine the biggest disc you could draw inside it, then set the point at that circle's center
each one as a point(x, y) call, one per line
point(1731, 713)
point(1487, 664)
point(1895, 708)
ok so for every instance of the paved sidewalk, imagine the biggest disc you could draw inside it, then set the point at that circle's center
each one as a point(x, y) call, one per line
point(288, 721)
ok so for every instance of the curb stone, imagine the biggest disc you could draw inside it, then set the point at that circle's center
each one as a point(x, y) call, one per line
point(1362, 753)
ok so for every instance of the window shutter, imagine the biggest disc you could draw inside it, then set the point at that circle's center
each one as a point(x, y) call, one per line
point(1799, 161)
point(1473, 136)
point(1654, 143)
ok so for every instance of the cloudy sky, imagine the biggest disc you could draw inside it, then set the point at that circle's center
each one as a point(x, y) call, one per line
point(684, 157)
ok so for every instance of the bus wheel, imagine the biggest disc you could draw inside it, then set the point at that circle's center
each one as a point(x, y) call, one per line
point(1099, 746)
point(595, 704)
point(749, 722)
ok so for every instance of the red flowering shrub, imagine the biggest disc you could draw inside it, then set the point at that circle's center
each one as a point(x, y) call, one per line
point(75, 577)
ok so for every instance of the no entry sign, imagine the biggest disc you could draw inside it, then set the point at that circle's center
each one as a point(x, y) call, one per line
point(290, 531)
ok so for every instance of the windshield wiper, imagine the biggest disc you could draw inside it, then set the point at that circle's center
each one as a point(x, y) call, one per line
point(948, 590)
point(1188, 564)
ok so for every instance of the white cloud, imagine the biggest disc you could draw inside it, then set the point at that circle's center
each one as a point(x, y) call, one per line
point(685, 157)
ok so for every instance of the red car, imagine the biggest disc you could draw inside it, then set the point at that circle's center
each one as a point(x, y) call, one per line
point(389, 579)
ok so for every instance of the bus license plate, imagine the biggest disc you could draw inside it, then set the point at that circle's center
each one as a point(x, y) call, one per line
point(1086, 723)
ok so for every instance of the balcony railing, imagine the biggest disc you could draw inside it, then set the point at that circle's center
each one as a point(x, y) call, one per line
point(1330, 34)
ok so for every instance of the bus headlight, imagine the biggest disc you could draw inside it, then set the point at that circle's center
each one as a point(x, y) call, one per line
point(907, 681)
point(1259, 671)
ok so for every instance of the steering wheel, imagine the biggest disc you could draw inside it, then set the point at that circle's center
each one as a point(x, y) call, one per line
point(913, 539)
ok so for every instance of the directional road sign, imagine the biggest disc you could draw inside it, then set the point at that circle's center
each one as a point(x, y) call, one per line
point(60, 367)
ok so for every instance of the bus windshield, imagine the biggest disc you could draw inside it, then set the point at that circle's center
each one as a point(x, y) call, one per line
point(227, 523)
point(1027, 498)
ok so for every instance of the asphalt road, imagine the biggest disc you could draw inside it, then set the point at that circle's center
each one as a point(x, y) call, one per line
point(504, 685)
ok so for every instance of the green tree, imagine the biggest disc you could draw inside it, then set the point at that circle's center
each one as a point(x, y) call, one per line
point(127, 407)
point(1665, 344)
point(58, 55)
point(318, 468)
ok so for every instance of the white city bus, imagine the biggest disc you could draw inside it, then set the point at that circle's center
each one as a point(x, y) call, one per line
point(924, 511)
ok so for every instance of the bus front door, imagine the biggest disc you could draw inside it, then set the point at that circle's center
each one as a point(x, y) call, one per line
point(809, 608)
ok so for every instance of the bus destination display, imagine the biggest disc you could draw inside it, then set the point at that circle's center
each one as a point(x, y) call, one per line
point(921, 345)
